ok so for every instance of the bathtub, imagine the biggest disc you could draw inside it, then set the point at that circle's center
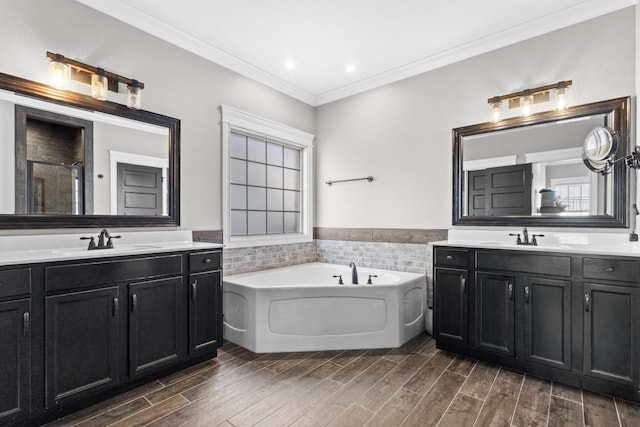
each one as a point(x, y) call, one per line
point(302, 308)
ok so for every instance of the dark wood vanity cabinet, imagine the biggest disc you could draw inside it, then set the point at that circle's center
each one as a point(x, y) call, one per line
point(494, 313)
point(104, 325)
point(15, 343)
point(82, 345)
point(15, 355)
point(205, 301)
point(553, 315)
point(155, 323)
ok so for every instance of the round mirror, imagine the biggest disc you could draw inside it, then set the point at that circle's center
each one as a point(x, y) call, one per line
point(600, 147)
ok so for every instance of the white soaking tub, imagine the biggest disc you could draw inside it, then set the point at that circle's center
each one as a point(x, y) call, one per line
point(302, 308)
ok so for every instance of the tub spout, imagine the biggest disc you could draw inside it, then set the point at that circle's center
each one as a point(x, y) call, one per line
point(354, 273)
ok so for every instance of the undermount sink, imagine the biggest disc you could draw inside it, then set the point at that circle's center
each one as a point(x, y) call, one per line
point(513, 245)
point(123, 248)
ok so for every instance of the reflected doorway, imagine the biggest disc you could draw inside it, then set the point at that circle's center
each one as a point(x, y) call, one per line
point(139, 190)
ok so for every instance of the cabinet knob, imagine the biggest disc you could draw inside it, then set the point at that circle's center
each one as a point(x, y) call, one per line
point(449, 257)
point(609, 269)
point(207, 261)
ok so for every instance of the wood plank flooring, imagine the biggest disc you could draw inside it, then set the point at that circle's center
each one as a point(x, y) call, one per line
point(415, 385)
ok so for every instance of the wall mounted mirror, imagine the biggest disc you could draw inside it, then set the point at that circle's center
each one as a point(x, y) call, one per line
point(530, 170)
point(68, 160)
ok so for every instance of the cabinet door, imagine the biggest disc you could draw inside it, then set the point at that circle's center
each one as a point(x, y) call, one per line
point(15, 359)
point(451, 305)
point(81, 344)
point(611, 341)
point(204, 312)
point(154, 324)
point(494, 313)
point(547, 329)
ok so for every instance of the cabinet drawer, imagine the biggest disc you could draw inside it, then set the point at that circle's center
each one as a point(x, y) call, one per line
point(451, 257)
point(203, 261)
point(524, 262)
point(70, 276)
point(15, 282)
point(611, 269)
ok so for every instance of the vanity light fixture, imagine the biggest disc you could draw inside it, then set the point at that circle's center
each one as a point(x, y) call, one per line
point(525, 99)
point(99, 84)
point(63, 69)
point(60, 72)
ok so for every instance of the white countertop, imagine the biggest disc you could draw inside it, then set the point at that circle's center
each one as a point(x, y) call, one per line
point(61, 247)
point(616, 244)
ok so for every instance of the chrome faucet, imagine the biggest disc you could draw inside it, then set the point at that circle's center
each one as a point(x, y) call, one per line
point(354, 273)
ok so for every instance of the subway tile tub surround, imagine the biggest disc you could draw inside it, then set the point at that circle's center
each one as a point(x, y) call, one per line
point(78, 326)
point(567, 309)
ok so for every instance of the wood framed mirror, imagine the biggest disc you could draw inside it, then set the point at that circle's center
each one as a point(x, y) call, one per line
point(71, 161)
point(529, 171)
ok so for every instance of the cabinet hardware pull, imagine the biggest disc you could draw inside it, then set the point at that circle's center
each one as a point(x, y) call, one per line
point(194, 289)
point(609, 269)
point(134, 302)
point(26, 323)
point(449, 257)
point(116, 307)
point(207, 261)
point(587, 302)
point(510, 291)
point(527, 293)
point(463, 285)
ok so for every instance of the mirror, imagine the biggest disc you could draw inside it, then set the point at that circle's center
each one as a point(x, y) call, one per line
point(530, 170)
point(68, 160)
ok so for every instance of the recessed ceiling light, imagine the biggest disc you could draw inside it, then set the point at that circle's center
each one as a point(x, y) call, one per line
point(290, 65)
point(350, 68)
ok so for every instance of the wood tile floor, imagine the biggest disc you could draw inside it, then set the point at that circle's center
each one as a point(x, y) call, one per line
point(415, 385)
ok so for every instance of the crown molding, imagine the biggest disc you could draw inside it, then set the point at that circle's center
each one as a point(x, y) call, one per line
point(160, 29)
point(564, 18)
point(569, 16)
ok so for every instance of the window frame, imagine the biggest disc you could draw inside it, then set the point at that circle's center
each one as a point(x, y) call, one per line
point(253, 125)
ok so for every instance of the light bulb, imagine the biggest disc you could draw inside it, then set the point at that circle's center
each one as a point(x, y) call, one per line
point(525, 105)
point(99, 86)
point(561, 98)
point(495, 108)
point(134, 96)
point(60, 74)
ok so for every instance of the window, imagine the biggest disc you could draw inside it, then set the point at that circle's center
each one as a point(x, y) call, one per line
point(267, 181)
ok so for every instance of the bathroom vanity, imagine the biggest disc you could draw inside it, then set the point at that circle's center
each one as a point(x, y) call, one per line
point(561, 312)
point(79, 326)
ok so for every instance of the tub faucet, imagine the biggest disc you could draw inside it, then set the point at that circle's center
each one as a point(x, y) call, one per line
point(354, 273)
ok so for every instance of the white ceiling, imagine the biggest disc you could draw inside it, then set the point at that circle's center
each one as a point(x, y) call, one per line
point(385, 40)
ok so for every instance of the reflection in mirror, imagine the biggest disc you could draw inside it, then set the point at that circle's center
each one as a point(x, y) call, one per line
point(72, 161)
point(531, 171)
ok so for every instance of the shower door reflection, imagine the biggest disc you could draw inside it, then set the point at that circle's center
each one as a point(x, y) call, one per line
point(55, 188)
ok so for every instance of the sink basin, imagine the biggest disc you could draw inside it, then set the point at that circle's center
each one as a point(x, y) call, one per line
point(513, 245)
point(98, 252)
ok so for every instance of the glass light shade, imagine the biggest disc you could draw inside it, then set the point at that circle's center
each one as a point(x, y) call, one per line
point(561, 98)
point(526, 102)
point(134, 97)
point(495, 110)
point(99, 87)
point(60, 74)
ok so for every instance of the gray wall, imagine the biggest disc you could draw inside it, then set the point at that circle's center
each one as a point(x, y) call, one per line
point(177, 83)
point(401, 133)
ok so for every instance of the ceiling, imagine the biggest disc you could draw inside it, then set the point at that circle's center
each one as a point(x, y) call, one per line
point(384, 40)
